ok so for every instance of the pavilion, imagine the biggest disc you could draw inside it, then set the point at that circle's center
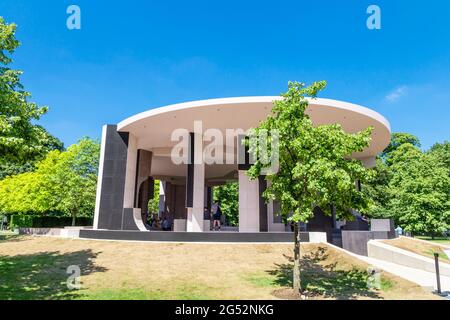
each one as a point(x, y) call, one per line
point(139, 150)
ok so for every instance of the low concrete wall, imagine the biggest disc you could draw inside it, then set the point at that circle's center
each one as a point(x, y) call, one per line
point(179, 225)
point(318, 237)
point(385, 252)
point(41, 231)
point(356, 241)
point(314, 237)
point(382, 225)
point(173, 236)
point(72, 232)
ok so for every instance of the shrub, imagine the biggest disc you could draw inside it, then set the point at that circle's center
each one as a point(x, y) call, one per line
point(28, 221)
point(21, 221)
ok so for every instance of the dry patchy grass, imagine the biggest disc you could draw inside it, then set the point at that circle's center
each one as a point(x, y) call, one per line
point(35, 268)
point(419, 247)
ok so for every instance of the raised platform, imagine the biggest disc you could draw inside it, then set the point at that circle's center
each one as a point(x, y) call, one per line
point(193, 236)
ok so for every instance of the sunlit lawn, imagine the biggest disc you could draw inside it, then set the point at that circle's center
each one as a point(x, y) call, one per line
point(35, 268)
point(441, 240)
point(426, 249)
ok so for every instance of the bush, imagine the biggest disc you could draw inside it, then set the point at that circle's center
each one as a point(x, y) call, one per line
point(27, 221)
point(20, 221)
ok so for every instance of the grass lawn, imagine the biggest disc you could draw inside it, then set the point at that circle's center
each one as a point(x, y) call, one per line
point(35, 268)
point(441, 240)
point(419, 247)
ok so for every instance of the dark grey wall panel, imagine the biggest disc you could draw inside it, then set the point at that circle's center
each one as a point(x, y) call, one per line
point(382, 225)
point(243, 156)
point(143, 171)
point(263, 223)
point(356, 225)
point(356, 241)
point(193, 236)
point(321, 222)
point(190, 173)
point(113, 179)
point(128, 220)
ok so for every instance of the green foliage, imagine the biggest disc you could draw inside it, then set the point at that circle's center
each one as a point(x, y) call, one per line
point(62, 182)
point(22, 142)
point(153, 204)
point(32, 221)
point(228, 196)
point(398, 139)
point(21, 221)
point(412, 186)
point(419, 191)
point(315, 168)
point(376, 189)
point(442, 152)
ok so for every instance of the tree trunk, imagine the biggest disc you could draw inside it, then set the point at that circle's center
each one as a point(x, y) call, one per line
point(296, 274)
point(74, 216)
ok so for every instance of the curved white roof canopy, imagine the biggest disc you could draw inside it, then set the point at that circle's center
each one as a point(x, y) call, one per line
point(153, 128)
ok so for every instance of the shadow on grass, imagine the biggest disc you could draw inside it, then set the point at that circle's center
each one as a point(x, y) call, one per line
point(325, 280)
point(43, 275)
point(11, 237)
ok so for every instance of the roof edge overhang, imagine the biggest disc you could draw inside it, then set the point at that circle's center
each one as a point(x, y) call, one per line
point(122, 126)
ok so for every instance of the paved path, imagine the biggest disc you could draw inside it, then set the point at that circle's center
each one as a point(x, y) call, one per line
point(447, 252)
point(422, 278)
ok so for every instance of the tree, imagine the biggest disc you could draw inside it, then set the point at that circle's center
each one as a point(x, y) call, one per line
point(153, 204)
point(315, 168)
point(398, 139)
point(410, 185)
point(419, 190)
point(74, 178)
point(376, 190)
point(377, 187)
point(442, 152)
point(62, 182)
point(22, 142)
point(228, 196)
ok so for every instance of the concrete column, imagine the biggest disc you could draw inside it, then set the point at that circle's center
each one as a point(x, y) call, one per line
point(111, 179)
point(143, 172)
point(275, 223)
point(248, 203)
point(369, 162)
point(209, 202)
point(162, 197)
point(195, 185)
point(263, 221)
point(130, 174)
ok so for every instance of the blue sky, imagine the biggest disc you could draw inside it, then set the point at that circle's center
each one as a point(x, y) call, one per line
point(135, 55)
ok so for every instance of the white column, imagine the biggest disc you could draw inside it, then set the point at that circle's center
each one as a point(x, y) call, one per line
point(162, 197)
point(195, 214)
point(274, 226)
point(248, 203)
point(100, 177)
point(130, 176)
point(369, 162)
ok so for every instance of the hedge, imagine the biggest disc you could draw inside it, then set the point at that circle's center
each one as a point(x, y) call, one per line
point(27, 221)
point(20, 221)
